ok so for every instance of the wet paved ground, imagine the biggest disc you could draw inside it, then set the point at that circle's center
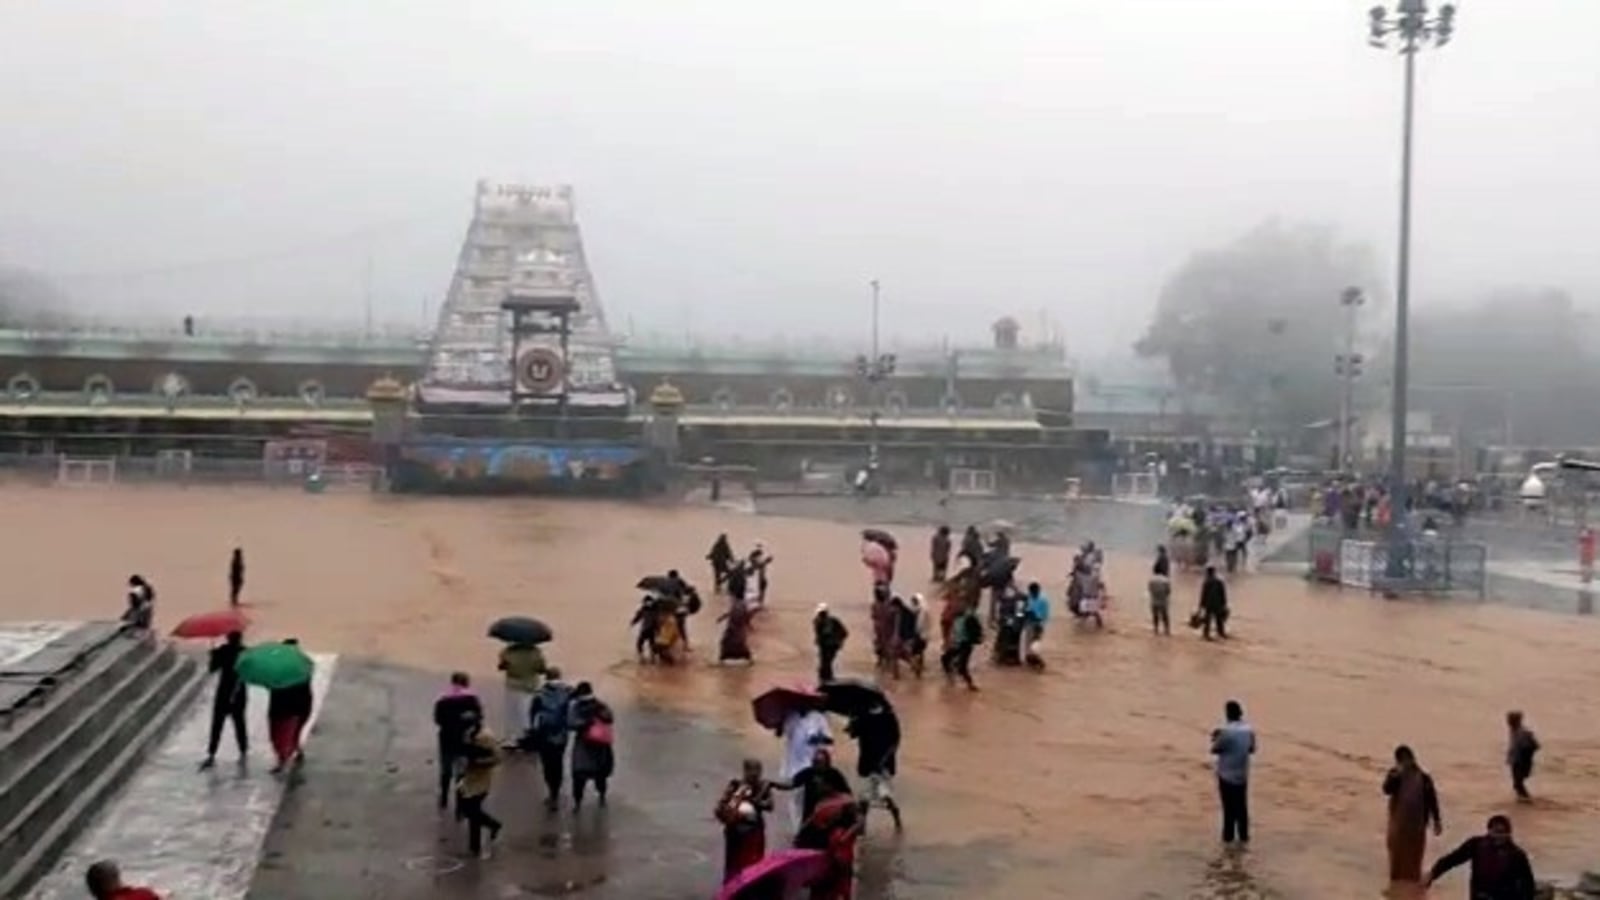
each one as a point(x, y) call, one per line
point(186, 833)
point(20, 640)
point(360, 820)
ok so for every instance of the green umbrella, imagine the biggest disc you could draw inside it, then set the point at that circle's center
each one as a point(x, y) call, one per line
point(274, 666)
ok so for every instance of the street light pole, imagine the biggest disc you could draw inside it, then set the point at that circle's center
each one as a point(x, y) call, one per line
point(1348, 366)
point(1414, 28)
point(874, 284)
point(874, 369)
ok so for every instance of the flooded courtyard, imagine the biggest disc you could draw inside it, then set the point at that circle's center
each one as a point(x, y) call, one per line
point(1089, 780)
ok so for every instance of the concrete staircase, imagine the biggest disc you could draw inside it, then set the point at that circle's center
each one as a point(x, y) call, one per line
point(75, 719)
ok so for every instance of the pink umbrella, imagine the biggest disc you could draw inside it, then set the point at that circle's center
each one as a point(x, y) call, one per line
point(774, 705)
point(876, 557)
point(776, 875)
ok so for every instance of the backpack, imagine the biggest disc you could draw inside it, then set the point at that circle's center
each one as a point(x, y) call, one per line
point(550, 712)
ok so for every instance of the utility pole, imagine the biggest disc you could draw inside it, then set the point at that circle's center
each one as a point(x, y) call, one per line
point(1348, 366)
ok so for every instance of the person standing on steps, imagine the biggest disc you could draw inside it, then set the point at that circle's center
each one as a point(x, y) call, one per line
point(229, 700)
point(141, 610)
point(1233, 745)
point(235, 576)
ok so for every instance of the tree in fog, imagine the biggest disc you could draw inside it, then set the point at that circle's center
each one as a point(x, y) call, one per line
point(1521, 361)
point(1258, 321)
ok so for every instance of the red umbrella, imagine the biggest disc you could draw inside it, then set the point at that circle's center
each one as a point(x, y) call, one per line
point(788, 869)
point(775, 704)
point(211, 624)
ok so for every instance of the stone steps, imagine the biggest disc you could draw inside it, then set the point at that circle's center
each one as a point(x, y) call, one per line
point(106, 701)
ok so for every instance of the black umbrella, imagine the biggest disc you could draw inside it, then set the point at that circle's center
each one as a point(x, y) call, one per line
point(882, 538)
point(661, 584)
point(998, 573)
point(852, 696)
point(521, 630)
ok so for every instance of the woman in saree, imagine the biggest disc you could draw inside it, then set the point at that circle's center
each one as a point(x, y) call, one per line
point(666, 641)
point(735, 645)
point(1413, 806)
point(833, 827)
point(742, 810)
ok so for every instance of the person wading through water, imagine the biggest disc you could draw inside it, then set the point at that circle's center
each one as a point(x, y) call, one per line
point(1413, 807)
point(228, 702)
point(965, 636)
point(1500, 868)
point(1233, 744)
point(1213, 605)
point(829, 634)
point(1520, 750)
point(720, 557)
point(235, 576)
point(742, 810)
point(939, 552)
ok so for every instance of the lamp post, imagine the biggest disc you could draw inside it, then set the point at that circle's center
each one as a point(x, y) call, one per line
point(1412, 28)
point(874, 370)
point(1348, 366)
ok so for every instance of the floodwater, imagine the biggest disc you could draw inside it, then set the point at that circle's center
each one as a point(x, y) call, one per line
point(1090, 780)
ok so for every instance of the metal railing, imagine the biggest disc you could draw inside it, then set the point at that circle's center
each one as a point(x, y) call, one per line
point(1428, 564)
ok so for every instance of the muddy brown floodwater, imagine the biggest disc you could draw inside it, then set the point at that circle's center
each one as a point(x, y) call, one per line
point(1092, 777)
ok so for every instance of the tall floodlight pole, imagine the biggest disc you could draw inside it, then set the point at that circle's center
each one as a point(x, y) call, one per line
point(1412, 28)
point(874, 370)
point(1348, 366)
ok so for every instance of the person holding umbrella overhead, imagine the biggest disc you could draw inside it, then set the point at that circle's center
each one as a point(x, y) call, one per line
point(229, 700)
point(796, 716)
point(285, 671)
point(524, 666)
point(876, 728)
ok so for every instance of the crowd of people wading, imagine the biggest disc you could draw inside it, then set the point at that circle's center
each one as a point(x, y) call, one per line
point(973, 580)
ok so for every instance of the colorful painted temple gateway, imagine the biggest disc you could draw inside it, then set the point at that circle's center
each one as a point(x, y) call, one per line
point(522, 385)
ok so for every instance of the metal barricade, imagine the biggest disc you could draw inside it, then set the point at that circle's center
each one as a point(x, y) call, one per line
point(1428, 564)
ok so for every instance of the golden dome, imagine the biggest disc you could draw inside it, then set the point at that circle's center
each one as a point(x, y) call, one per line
point(386, 388)
point(665, 397)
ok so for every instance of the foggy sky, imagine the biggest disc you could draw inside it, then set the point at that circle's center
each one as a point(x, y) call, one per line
point(746, 166)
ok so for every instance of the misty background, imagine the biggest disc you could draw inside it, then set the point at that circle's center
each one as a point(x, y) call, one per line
point(745, 168)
